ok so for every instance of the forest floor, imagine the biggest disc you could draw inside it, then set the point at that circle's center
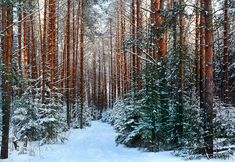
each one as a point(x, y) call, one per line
point(93, 144)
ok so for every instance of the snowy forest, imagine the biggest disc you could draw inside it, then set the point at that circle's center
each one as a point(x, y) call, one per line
point(152, 78)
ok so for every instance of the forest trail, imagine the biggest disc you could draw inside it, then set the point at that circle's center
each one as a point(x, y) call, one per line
point(94, 144)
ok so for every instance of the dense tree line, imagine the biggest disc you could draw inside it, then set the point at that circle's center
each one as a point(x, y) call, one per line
point(175, 78)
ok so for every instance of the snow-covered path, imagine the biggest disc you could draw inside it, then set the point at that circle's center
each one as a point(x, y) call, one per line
point(95, 144)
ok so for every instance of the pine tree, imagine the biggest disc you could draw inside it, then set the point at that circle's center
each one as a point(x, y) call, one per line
point(7, 49)
point(209, 84)
point(225, 89)
point(67, 70)
point(82, 63)
point(44, 50)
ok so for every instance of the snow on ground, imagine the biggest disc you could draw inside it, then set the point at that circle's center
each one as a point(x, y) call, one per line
point(94, 144)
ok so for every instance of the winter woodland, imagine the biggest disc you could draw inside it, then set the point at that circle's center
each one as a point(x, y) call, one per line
point(117, 80)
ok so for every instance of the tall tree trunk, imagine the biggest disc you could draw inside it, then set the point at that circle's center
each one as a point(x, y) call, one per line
point(152, 50)
point(99, 84)
point(174, 81)
point(40, 25)
point(202, 56)
point(7, 48)
point(123, 28)
point(133, 50)
point(26, 48)
point(20, 48)
point(63, 69)
point(225, 87)
point(68, 65)
point(111, 66)
point(94, 79)
point(52, 43)
point(33, 50)
point(44, 50)
point(114, 78)
point(39, 67)
point(181, 71)
point(74, 57)
point(118, 57)
point(139, 37)
point(75, 66)
point(82, 62)
point(153, 15)
point(209, 82)
point(161, 44)
point(104, 76)
point(196, 71)
point(88, 87)
point(58, 55)
point(126, 67)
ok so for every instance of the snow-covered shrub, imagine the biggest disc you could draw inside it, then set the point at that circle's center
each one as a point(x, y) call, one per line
point(130, 129)
point(115, 116)
point(145, 121)
point(224, 124)
point(51, 120)
point(25, 116)
point(140, 126)
point(119, 114)
point(42, 121)
point(107, 116)
point(191, 141)
point(89, 113)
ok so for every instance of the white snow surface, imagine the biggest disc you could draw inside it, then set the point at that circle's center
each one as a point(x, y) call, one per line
point(94, 144)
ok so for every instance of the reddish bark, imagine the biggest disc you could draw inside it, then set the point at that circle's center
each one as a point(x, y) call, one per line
point(133, 19)
point(20, 49)
point(118, 57)
point(139, 37)
point(209, 81)
point(52, 43)
point(202, 55)
point(82, 63)
point(26, 49)
point(44, 50)
point(225, 87)
point(33, 50)
point(7, 49)
point(67, 83)
point(197, 69)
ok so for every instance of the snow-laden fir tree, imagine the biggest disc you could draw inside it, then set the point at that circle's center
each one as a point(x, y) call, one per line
point(43, 121)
